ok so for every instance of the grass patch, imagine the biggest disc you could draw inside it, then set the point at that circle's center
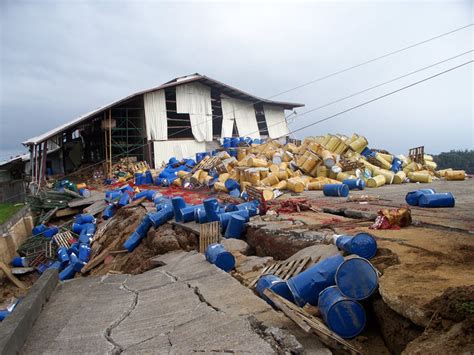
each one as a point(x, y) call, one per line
point(7, 210)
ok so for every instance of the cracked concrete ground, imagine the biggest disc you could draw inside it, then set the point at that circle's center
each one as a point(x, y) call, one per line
point(185, 306)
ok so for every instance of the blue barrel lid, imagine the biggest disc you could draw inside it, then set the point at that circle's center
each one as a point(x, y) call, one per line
point(357, 278)
point(364, 245)
point(344, 316)
point(225, 261)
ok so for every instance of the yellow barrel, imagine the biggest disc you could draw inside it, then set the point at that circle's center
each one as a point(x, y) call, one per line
point(455, 175)
point(419, 177)
point(310, 163)
point(296, 185)
point(387, 157)
point(300, 160)
point(385, 164)
point(282, 175)
point(343, 176)
point(431, 165)
point(182, 173)
point(282, 185)
point(283, 166)
point(316, 185)
point(274, 168)
point(443, 172)
point(177, 182)
point(196, 174)
point(286, 157)
point(263, 174)
point(387, 174)
point(290, 172)
point(328, 158)
point(322, 171)
point(412, 167)
point(399, 177)
point(359, 144)
point(427, 157)
point(202, 176)
point(268, 194)
point(270, 180)
point(220, 186)
point(223, 177)
point(253, 176)
point(258, 163)
point(376, 181)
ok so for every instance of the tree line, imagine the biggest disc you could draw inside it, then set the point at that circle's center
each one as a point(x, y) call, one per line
point(456, 159)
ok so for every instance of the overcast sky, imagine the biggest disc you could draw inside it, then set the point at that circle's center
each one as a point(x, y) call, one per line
point(60, 59)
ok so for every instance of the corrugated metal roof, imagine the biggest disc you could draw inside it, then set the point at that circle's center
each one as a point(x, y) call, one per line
point(227, 89)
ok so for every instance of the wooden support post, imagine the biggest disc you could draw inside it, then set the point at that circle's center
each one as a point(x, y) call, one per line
point(110, 143)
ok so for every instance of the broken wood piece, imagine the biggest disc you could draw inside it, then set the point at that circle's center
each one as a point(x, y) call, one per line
point(310, 324)
point(12, 277)
point(99, 258)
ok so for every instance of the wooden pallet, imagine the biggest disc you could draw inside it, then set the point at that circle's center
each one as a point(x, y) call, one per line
point(417, 154)
point(257, 194)
point(101, 230)
point(210, 233)
point(311, 324)
point(64, 239)
point(283, 270)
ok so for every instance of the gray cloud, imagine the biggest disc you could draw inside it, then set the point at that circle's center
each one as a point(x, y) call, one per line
point(62, 59)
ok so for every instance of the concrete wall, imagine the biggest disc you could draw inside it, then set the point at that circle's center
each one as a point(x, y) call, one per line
point(14, 232)
point(12, 191)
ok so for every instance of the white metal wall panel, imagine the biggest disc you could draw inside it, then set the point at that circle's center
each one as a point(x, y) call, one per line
point(195, 99)
point(155, 115)
point(243, 113)
point(180, 149)
point(276, 121)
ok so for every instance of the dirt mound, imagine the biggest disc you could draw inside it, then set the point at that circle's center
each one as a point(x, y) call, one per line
point(456, 303)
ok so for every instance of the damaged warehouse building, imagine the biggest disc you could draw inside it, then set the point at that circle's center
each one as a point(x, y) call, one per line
point(184, 116)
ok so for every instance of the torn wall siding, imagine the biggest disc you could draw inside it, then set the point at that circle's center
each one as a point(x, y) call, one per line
point(195, 99)
point(276, 121)
point(185, 148)
point(243, 112)
point(155, 115)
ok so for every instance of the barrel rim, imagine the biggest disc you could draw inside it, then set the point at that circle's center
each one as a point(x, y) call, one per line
point(367, 262)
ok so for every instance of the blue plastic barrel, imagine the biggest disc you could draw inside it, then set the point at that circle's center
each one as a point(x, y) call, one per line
point(307, 285)
point(224, 218)
point(234, 193)
point(87, 232)
point(354, 183)
point(233, 152)
point(200, 156)
point(139, 179)
point(148, 178)
point(109, 212)
point(124, 199)
point(40, 228)
point(231, 184)
point(84, 218)
point(132, 242)
point(84, 252)
point(162, 216)
point(126, 187)
point(19, 261)
point(188, 212)
point(397, 165)
point(444, 199)
point(277, 285)
point(56, 265)
point(141, 194)
point(74, 249)
point(217, 255)
point(173, 161)
point(85, 192)
point(343, 316)
point(362, 244)
point(234, 142)
point(226, 142)
point(236, 227)
point(144, 226)
point(413, 197)
point(200, 215)
point(211, 206)
point(111, 196)
point(366, 152)
point(178, 204)
point(62, 255)
point(357, 278)
point(190, 163)
point(77, 228)
point(336, 190)
point(67, 273)
point(51, 232)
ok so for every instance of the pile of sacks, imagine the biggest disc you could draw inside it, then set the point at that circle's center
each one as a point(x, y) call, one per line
point(232, 217)
point(332, 159)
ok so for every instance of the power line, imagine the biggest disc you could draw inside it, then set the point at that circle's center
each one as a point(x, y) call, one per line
point(336, 73)
point(379, 97)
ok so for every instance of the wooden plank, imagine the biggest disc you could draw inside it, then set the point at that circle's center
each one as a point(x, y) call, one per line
point(95, 196)
point(67, 212)
point(299, 267)
point(12, 277)
point(309, 323)
point(265, 270)
point(96, 207)
point(100, 258)
point(286, 269)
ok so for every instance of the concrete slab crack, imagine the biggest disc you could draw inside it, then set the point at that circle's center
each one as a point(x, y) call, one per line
point(108, 331)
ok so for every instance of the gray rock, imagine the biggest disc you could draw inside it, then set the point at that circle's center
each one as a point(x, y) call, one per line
point(235, 246)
